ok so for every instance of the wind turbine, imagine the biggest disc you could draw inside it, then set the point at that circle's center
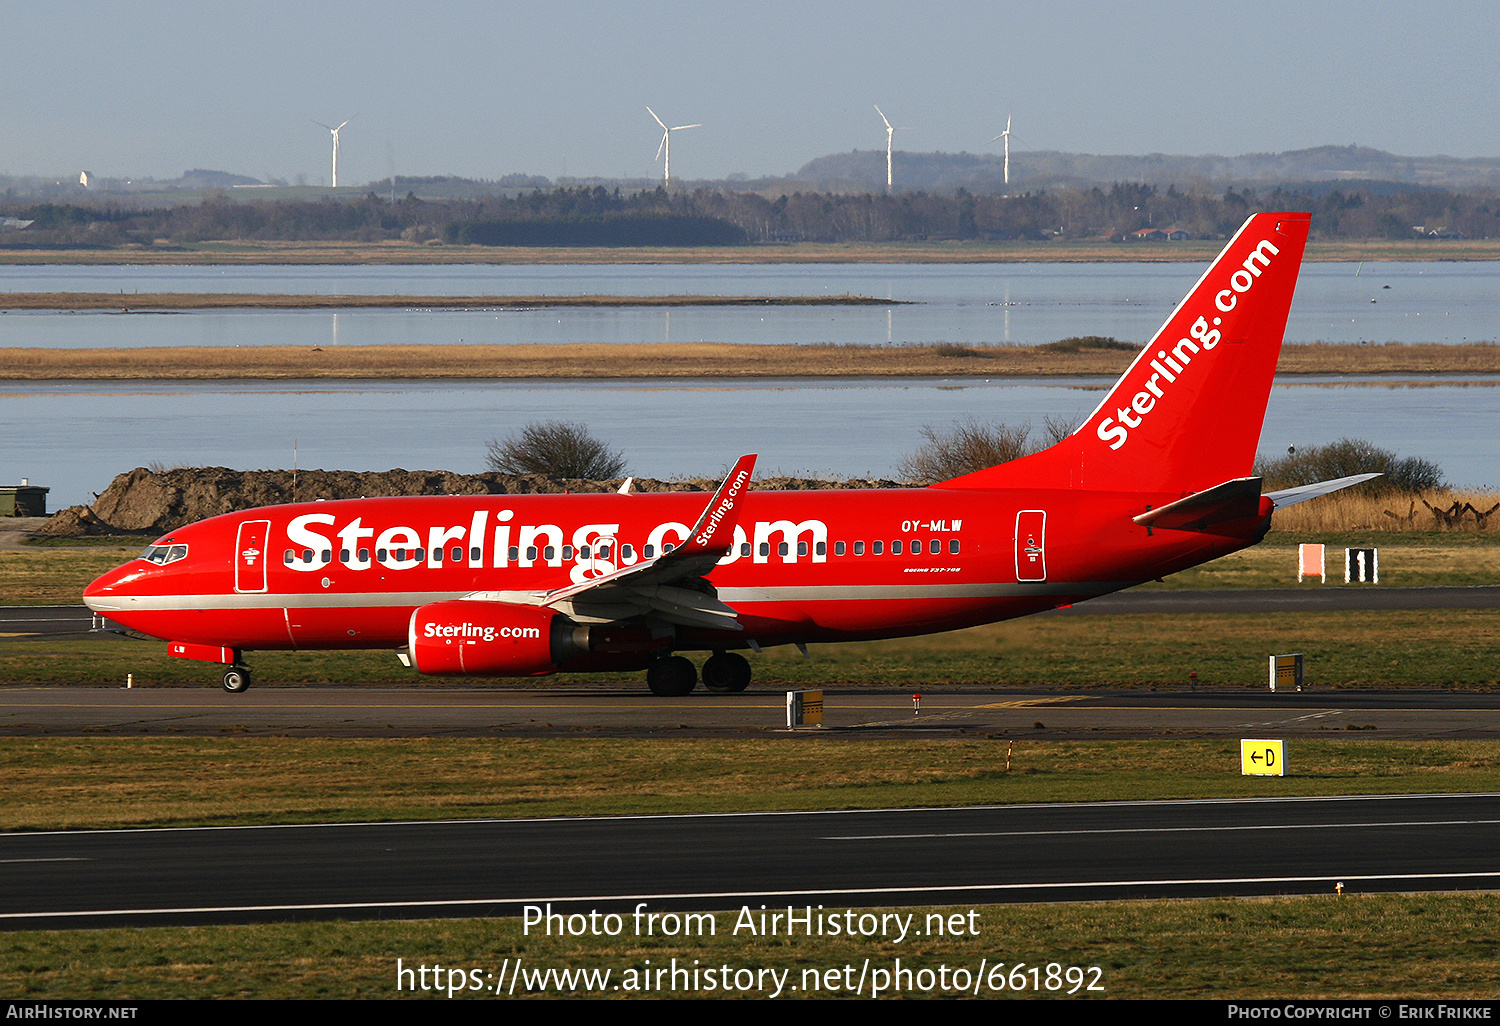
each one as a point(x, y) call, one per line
point(890, 135)
point(666, 146)
point(1006, 136)
point(335, 132)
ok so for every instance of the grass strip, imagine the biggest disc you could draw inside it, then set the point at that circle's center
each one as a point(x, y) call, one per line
point(56, 575)
point(1452, 648)
point(108, 782)
point(626, 361)
point(1400, 947)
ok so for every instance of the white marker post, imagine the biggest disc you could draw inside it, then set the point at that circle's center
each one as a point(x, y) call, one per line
point(1362, 566)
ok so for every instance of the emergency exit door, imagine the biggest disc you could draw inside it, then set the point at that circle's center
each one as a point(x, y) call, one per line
point(1031, 545)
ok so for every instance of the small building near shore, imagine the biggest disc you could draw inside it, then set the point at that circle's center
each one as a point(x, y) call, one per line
point(1160, 235)
point(23, 500)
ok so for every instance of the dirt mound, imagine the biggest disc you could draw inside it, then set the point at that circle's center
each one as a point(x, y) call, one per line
point(72, 522)
point(148, 502)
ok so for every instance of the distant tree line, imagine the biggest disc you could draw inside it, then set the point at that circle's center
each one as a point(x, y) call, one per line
point(600, 216)
point(622, 229)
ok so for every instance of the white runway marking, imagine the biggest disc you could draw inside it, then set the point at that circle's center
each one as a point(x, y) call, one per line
point(1168, 830)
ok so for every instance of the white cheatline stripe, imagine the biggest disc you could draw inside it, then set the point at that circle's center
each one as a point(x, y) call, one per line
point(740, 895)
point(109, 604)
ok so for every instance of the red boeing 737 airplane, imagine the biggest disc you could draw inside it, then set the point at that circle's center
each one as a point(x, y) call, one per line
point(1154, 481)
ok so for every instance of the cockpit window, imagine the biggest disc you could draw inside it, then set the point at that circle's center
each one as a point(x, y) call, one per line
point(164, 553)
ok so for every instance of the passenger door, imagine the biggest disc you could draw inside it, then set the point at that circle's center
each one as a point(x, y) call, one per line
point(250, 555)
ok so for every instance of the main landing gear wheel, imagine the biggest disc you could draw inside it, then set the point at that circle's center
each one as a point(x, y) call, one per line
point(236, 679)
point(726, 673)
point(671, 677)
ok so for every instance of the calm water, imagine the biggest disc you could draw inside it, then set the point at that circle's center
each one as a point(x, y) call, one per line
point(75, 438)
point(975, 304)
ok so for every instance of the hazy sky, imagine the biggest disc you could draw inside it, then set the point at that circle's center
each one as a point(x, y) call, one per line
point(481, 89)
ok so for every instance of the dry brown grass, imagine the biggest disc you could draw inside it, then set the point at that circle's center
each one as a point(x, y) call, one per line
point(271, 301)
point(1390, 358)
point(57, 576)
point(1343, 512)
point(1358, 947)
point(1407, 560)
point(679, 360)
point(583, 360)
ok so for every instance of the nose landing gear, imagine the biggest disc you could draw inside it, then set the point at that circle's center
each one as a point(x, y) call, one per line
point(236, 679)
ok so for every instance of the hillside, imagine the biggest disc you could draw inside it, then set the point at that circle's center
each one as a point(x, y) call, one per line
point(1329, 166)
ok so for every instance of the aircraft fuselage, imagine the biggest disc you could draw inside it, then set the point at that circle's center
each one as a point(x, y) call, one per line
point(804, 566)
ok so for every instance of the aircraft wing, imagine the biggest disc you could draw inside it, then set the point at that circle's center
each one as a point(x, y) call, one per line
point(671, 586)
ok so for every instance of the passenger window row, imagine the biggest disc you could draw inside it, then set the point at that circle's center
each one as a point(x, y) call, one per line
point(900, 547)
point(160, 554)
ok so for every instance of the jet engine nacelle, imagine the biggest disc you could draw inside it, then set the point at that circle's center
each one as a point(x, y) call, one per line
point(492, 639)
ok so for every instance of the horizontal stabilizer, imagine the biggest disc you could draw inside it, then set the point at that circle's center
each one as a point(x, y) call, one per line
point(1291, 496)
point(1232, 500)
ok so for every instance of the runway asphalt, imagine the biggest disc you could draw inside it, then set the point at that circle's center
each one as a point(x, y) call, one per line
point(831, 859)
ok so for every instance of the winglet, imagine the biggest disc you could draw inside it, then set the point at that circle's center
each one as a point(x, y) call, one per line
point(711, 537)
point(722, 512)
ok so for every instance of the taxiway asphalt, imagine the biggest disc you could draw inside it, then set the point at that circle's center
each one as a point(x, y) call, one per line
point(627, 710)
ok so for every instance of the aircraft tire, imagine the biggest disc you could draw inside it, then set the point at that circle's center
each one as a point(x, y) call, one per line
point(726, 673)
point(672, 677)
point(236, 680)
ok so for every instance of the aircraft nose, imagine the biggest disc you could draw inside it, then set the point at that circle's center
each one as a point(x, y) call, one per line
point(102, 593)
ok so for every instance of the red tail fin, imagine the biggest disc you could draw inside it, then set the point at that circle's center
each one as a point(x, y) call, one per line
point(1187, 414)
